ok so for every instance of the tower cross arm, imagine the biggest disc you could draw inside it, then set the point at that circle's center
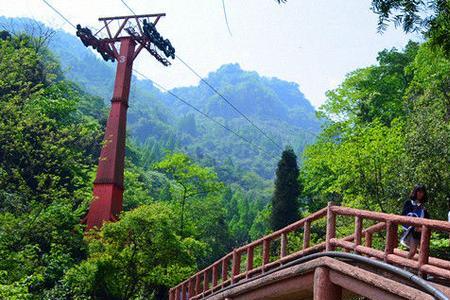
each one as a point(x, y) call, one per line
point(133, 16)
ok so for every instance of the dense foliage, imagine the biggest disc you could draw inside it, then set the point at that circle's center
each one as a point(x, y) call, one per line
point(193, 191)
point(431, 17)
point(47, 149)
point(387, 129)
point(285, 205)
point(179, 216)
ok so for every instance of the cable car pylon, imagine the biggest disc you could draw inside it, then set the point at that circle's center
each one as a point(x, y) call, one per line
point(122, 44)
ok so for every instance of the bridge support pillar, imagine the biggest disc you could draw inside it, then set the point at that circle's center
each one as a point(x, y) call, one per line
point(323, 287)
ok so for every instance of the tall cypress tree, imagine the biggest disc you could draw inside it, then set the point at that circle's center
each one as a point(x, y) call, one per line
point(285, 200)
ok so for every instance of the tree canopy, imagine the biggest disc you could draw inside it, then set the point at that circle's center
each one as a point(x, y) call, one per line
point(285, 201)
point(192, 193)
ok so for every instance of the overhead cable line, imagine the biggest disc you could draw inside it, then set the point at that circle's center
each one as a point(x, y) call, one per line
point(124, 3)
point(219, 94)
point(182, 100)
point(60, 14)
point(228, 102)
point(207, 116)
point(226, 17)
point(65, 19)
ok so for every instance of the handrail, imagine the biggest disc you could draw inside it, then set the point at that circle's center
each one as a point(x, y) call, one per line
point(379, 216)
point(221, 274)
point(292, 227)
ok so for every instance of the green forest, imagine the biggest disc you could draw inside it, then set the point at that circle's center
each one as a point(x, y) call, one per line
point(194, 192)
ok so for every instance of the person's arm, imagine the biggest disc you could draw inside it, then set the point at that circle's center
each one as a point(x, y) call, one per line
point(426, 215)
point(405, 211)
point(406, 208)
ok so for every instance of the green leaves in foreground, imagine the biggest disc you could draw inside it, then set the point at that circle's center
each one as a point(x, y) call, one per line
point(138, 257)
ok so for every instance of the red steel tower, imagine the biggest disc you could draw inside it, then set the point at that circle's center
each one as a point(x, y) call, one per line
point(109, 182)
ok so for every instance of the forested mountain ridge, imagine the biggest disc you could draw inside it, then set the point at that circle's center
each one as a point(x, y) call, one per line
point(50, 134)
point(51, 131)
point(386, 127)
point(259, 97)
point(158, 121)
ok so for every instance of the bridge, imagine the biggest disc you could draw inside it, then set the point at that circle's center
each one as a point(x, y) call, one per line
point(366, 263)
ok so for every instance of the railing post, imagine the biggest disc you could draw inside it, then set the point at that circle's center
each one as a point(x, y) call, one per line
point(424, 251)
point(183, 291)
point(368, 239)
point(224, 270)
point(197, 284)
point(266, 252)
point(391, 238)
point(358, 231)
point(177, 293)
point(215, 275)
point(172, 294)
point(191, 289)
point(306, 234)
point(283, 249)
point(205, 281)
point(236, 265)
point(249, 259)
point(331, 227)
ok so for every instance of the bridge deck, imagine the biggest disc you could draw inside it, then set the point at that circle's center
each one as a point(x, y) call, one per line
point(255, 260)
point(298, 282)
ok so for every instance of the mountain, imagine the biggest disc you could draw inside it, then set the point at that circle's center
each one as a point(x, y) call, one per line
point(258, 97)
point(157, 121)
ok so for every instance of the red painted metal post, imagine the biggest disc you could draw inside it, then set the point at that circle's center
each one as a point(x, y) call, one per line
point(108, 185)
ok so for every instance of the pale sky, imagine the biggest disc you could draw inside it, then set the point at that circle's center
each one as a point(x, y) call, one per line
point(313, 43)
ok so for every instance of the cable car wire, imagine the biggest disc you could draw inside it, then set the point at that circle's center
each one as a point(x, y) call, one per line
point(128, 7)
point(226, 17)
point(219, 94)
point(228, 102)
point(60, 14)
point(181, 99)
point(207, 116)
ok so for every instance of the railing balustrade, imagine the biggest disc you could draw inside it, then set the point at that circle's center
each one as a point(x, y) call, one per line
point(241, 263)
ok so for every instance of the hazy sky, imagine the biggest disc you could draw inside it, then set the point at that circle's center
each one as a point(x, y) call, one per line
point(314, 43)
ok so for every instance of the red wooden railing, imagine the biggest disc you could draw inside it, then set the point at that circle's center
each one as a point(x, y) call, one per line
point(242, 263)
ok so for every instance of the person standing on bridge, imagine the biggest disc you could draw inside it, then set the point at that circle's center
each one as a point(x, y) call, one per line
point(414, 207)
